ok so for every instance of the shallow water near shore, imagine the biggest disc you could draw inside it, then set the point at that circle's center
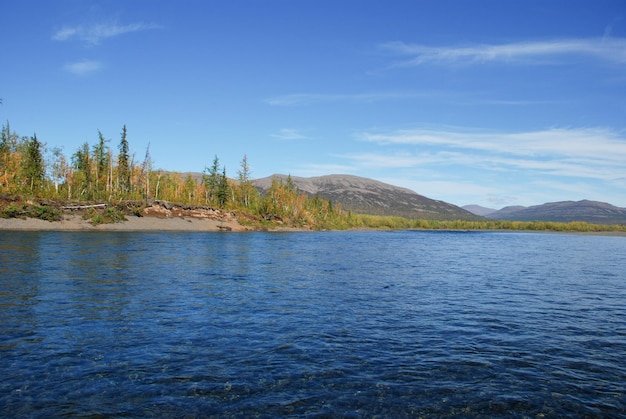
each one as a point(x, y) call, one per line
point(348, 324)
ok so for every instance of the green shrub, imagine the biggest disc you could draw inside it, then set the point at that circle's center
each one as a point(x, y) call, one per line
point(12, 211)
point(89, 214)
point(114, 215)
point(108, 216)
point(45, 212)
point(97, 219)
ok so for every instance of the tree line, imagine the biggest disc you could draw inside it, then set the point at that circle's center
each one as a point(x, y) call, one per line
point(100, 172)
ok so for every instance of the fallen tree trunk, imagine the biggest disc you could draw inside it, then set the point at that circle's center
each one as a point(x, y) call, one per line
point(79, 207)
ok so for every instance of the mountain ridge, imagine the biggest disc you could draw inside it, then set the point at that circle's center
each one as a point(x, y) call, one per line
point(561, 211)
point(369, 196)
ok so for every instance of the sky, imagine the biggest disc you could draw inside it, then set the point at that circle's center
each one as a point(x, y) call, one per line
point(493, 103)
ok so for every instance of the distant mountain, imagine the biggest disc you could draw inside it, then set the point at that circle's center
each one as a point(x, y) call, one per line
point(565, 211)
point(504, 212)
point(368, 196)
point(478, 210)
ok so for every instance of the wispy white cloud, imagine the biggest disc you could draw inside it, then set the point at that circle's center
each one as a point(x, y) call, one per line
point(450, 97)
point(591, 153)
point(289, 134)
point(95, 34)
point(83, 67)
point(586, 143)
point(312, 98)
point(607, 49)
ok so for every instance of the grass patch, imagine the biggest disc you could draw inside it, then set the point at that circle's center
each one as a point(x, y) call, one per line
point(110, 215)
point(24, 210)
point(45, 212)
point(13, 211)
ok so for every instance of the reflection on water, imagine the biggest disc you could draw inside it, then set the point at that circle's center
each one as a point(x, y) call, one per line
point(395, 324)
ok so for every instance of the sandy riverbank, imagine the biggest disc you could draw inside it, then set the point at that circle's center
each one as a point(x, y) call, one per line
point(74, 222)
point(133, 223)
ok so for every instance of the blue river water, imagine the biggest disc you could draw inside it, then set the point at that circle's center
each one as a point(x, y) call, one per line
point(330, 324)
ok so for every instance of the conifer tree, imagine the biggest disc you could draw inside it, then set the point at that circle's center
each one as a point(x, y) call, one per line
point(146, 171)
point(223, 189)
point(101, 158)
point(123, 164)
point(211, 181)
point(34, 167)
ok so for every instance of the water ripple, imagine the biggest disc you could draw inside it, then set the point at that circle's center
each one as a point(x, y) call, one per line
point(353, 324)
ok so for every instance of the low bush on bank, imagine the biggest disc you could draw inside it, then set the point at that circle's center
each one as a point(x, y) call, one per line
point(12, 211)
point(26, 210)
point(381, 222)
point(45, 212)
point(53, 211)
point(109, 215)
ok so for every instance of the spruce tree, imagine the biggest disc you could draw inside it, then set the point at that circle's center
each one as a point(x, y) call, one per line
point(211, 180)
point(123, 164)
point(222, 189)
point(34, 168)
point(146, 170)
point(101, 157)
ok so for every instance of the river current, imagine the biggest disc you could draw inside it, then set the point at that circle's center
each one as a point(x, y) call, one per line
point(330, 324)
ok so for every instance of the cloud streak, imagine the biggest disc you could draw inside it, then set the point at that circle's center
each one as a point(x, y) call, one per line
point(585, 153)
point(454, 98)
point(584, 142)
point(606, 49)
point(312, 98)
point(289, 134)
point(83, 67)
point(95, 34)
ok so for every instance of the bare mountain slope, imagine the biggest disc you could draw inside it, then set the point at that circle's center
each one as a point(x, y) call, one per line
point(479, 210)
point(565, 211)
point(368, 196)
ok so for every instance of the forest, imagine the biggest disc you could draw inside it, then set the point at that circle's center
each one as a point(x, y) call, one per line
point(102, 173)
point(37, 182)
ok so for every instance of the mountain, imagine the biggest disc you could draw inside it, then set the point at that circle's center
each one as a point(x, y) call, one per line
point(504, 212)
point(368, 196)
point(565, 211)
point(478, 210)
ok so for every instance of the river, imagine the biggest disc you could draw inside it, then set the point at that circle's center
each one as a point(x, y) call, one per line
point(330, 324)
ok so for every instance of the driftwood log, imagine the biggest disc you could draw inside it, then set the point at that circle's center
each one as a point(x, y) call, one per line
point(80, 207)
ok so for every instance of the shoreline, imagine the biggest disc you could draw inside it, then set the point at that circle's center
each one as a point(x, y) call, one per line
point(75, 222)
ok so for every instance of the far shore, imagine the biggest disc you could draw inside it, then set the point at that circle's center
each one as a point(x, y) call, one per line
point(132, 223)
point(75, 222)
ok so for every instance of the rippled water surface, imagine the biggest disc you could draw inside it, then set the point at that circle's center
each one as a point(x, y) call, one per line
point(349, 324)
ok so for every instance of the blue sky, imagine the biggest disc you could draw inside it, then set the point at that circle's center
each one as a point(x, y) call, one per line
point(471, 102)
